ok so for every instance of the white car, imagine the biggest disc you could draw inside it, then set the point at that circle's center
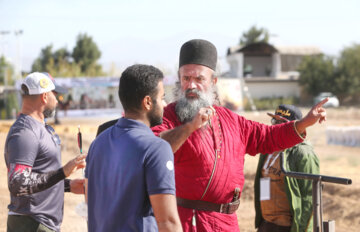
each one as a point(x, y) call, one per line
point(333, 100)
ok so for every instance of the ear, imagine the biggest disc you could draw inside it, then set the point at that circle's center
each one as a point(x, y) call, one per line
point(44, 97)
point(214, 80)
point(147, 103)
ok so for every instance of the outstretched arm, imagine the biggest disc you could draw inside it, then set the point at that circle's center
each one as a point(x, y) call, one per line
point(316, 114)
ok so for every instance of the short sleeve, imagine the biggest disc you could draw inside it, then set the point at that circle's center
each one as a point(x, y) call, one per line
point(159, 169)
point(88, 161)
point(23, 147)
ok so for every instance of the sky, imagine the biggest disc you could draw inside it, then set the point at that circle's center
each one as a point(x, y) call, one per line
point(152, 32)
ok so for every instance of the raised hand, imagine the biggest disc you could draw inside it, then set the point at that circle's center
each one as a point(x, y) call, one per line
point(202, 117)
point(316, 114)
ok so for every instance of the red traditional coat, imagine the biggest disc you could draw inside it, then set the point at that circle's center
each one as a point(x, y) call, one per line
point(232, 136)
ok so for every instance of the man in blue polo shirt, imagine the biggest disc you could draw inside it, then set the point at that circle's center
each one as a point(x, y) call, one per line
point(130, 171)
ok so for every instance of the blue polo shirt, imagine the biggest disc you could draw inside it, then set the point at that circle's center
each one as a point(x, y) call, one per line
point(125, 164)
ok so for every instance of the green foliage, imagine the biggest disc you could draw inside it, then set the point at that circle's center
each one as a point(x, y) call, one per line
point(270, 103)
point(62, 63)
point(317, 74)
point(254, 35)
point(86, 53)
point(12, 105)
point(8, 100)
point(45, 61)
point(9, 105)
point(348, 72)
point(322, 74)
point(2, 70)
point(6, 71)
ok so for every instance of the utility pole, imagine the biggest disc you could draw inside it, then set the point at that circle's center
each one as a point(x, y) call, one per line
point(18, 66)
point(3, 42)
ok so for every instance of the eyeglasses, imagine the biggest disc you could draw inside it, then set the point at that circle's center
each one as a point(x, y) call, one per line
point(55, 137)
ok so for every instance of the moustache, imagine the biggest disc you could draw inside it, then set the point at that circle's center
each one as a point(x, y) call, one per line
point(192, 91)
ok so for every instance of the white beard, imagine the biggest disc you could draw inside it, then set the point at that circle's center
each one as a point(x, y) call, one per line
point(187, 108)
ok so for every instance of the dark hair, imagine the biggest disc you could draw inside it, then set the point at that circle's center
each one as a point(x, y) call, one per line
point(136, 82)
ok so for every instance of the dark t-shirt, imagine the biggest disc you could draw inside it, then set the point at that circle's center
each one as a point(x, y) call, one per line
point(125, 164)
point(105, 125)
point(30, 143)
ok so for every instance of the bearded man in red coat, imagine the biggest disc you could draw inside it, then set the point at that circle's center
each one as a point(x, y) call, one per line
point(209, 142)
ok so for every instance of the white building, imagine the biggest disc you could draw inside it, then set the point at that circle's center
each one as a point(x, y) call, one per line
point(266, 70)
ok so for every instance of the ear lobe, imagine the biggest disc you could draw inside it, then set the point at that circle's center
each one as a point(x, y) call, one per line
point(215, 79)
point(147, 103)
point(44, 97)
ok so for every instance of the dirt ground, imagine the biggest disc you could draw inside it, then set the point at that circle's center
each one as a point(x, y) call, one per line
point(340, 202)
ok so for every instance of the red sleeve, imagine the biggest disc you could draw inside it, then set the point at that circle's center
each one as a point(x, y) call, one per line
point(261, 138)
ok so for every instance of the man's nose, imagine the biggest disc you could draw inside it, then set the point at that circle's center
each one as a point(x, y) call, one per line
point(192, 84)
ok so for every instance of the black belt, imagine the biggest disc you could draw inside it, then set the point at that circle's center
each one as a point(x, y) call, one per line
point(227, 208)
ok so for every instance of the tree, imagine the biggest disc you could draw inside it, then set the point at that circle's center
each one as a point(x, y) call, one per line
point(8, 100)
point(58, 63)
point(86, 53)
point(254, 35)
point(6, 71)
point(348, 72)
point(45, 61)
point(317, 74)
point(62, 55)
point(81, 62)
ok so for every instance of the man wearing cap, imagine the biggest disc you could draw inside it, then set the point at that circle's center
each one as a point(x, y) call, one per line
point(281, 203)
point(209, 142)
point(32, 155)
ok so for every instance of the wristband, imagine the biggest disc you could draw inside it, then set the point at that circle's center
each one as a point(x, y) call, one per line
point(303, 135)
point(67, 185)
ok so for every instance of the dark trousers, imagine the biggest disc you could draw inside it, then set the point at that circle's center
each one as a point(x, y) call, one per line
point(23, 223)
point(271, 227)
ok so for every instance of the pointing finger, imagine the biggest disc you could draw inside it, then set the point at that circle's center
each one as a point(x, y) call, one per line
point(321, 103)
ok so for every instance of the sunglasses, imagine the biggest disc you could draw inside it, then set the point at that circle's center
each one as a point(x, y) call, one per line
point(277, 119)
point(55, 137)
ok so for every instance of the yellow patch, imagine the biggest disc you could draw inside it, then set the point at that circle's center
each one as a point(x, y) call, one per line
point(282, 112)
point(44, 83)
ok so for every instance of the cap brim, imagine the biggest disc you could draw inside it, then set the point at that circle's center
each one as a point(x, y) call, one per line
point(60, 89)
point(278, 117)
